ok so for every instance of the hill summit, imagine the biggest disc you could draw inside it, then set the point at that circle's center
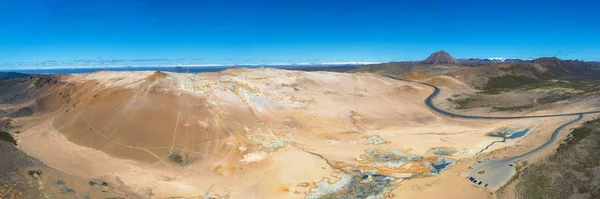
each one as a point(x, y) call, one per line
point(440, 57)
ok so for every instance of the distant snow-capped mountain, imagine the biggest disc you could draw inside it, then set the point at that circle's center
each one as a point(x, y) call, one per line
point(494, 60)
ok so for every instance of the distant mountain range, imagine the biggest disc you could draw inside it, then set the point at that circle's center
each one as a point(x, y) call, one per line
point(9, 75)
point(440, 57)
point(120, 63)
point(493, 60)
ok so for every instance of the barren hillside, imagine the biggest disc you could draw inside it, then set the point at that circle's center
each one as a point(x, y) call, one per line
point(243, 133)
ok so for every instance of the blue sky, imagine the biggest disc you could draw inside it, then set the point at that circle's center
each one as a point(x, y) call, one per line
point(296, 30)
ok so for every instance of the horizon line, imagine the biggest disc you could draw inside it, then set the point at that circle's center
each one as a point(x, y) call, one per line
point(172, 63)
point(191, 65)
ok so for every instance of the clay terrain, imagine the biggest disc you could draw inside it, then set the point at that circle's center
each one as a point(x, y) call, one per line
point(266, 133)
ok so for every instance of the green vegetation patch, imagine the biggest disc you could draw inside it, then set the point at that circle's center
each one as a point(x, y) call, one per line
point(474, 101)
point(505, 83)
point(509, 81)
point(97, 183)
point(569, 173)
point(467, 102)
point(100, 185)
point(547, 91)
point(34, 172)
point(554, 98)
point(7, 137)
point(501, 103)
point(177, 159)
point(540, 183)
point(575, 137)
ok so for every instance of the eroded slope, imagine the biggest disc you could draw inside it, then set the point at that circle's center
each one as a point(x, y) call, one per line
point(248, 132)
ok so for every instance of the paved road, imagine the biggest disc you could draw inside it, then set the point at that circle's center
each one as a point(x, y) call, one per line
point(494, 173)
point(498, 171)
point(429, 103)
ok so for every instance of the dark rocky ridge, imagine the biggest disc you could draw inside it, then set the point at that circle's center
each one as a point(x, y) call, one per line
point(10, 75)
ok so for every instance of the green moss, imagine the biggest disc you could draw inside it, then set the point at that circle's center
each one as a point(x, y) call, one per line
point(575, 137)
point(7, 137)
point(509, 81)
